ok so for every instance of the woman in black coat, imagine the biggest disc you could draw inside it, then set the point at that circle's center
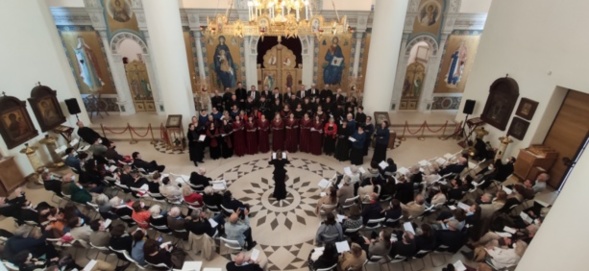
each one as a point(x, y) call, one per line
point(342, 147)
point(381, 138)
point(279, 175)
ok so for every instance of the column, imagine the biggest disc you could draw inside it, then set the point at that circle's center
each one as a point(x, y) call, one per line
point(307, 53)
point(199, 55)
point(387, 32)
point(357, 53)
point(251, 61)
point(171, 64)
point(427, 92)
point(117, 69)
point(401, 71)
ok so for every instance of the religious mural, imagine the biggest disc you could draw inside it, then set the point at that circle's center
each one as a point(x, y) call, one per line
point(412, 86)
point(280, 69)
point(364, 54)
point(223, 60)
point(333, 57)
point(84, 50)
point(429, 17)
point(457, 61)
point(119, 16)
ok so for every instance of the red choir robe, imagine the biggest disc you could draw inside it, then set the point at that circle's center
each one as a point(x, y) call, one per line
point(292, 135)
point(251, 135)
point(330, 136)
point(277, 135)
point(239, 144)
point(305, 135)
point(264, 136)
point(316, 137)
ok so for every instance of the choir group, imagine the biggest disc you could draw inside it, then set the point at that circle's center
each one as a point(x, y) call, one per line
point(247, 122)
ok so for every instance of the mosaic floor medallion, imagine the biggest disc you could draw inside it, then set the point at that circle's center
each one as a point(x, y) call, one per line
point(284, 229)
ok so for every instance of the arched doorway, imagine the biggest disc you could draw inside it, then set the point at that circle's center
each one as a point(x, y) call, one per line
point(132, 50)
point(414, 76)
point(279, 63)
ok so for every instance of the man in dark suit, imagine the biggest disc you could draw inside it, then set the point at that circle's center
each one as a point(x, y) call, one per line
point(217, 101)
point(266, 92)
point(454, 168)
point(326, 92)
point(241, 94)
point(253, 93)
point(313, 92)
point(147, 166)
point(451, 237)
point(302, 93)
point(276, 95)
point(339, 98)
point(226, 98)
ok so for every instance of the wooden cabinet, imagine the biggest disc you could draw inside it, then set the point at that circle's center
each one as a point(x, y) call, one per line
point(10, 176)
point(534, 157)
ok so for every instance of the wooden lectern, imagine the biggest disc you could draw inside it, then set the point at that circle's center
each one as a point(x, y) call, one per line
point(534, 157)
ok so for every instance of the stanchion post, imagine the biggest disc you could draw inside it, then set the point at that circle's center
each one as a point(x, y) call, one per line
point(133, 141)
point(422, 137)
point(402, 137)
point(153, 141)
point(103, 132)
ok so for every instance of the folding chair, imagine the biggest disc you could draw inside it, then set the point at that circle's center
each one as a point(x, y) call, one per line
point(232, 245)
point(349, 202)
point(374, 260)
point(373, 224)
point(327, 268)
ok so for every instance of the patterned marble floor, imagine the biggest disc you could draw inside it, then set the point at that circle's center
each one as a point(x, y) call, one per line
point(284, 230)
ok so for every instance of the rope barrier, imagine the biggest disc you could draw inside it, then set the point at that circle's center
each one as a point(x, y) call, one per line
point(133, 141)
point(116, 133)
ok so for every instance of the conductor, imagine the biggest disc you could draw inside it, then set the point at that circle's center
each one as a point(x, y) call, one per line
point(279, 160)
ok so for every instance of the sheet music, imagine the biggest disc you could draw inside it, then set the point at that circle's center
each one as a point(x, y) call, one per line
point(90, 265)
point(503, 234)
point(362, 170)
point(507, 190)
point(112, 168)
point(324, 183)
point(255, 255)
point(441, 161)
point(342, 246)
point(459, 266)
point(409, 227)
point(464, 206)
point(403, 170)
point(213, 223)
point(348, 171)
point(526, 217)
point(340, 218)
point(352, 139)
point(509, 229)
point(219, 185)
point(322, 194)
point(191, 266)
point(423, 163)
point(107, 222)
point(201, 138)
point(383, 165)
point(273, 156)
point(284, 155)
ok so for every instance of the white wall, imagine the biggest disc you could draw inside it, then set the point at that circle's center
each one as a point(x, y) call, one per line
point(222, 5)
point(475, 6)
point(130, 49)
point(32, 52)
point(65, 3)
point(348, 4)
point(542, 53)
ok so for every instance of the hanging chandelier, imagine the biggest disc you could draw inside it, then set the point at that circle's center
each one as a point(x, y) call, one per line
point(288, 18)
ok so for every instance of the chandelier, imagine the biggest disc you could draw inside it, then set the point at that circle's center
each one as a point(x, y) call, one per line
point(288, 18)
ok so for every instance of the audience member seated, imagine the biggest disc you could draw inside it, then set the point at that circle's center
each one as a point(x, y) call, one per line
point(78, 193)
point(157, 216)
point(504, 170)
point(55, 227)
point(137, 253)
point(243, 263)
point(120, 207)
point(353, 220)
point(28, 238)
point(166, 253)
point(139, 186)
point(212, 198)
point(231, 203)
point(425, 238)
point(140, 215)
point(352, 260)
point(153, 186)
point(78, 229)
point(72, 159)
point(100, 236)
point(10, 206)
point(97, 149)
point(346, 191)
point(450, 237)
point(147, 166)
point(323, 259)
point(404, 190)
point(380, 244)
point(329, 232)
point(176, 222)
point(112, 154)
point(393, 212)
point(457, 190)
point(440, 197)
point(236, 229)
point(330, 199)
point(365, 192)
point(405, 247)
point(390, 169)
point(90, 136)
point(525, 190)
point(501, 253)
point(119, 238)
point(456, 168)
point(198, 179)
point(199, 224)
point(104, 207)
point(170, 190)
point(458, 215)
point(415, 208)
point(191, 197)
point(25, 261)
point(540, 184)
point(52, 184)
point(372, 210)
